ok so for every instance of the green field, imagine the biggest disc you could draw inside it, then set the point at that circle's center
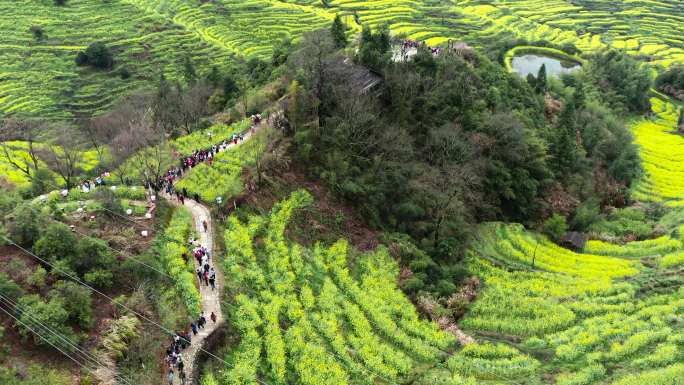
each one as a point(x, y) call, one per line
point(327, 313)
point(39, 77)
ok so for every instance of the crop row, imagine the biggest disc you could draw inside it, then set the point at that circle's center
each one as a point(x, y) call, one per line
point(661, 154)
point(355, 324)
point(223, 177)
point(172, 245)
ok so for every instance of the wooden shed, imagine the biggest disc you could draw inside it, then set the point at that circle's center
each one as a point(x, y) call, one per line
point(574, 240)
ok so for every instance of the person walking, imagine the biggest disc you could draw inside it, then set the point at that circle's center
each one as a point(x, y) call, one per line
point(212, 279)
point(213, 317)
point(205, 225)
point(193, 326)
point(202, 320)
point(199, 274)
point(170, 376)
point(206, 278)
point(181, 365)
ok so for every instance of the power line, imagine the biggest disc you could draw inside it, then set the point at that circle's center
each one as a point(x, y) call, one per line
point(84, 354)
point(80, 364)
point(76, 279)
point(229, 305)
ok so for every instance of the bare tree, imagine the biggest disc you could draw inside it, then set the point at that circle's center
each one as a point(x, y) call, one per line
point(64, 153)
point(449, 184)
point(107, 128)
point(153, 154)
point(193, 105)
point(24, 130)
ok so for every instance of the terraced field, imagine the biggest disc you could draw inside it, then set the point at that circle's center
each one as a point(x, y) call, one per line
point(347, 321)
point(662, 154)
point(595, 318)
point(652, 29)
point(38, 76)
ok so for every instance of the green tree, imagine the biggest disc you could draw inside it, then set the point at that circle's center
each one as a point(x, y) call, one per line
point(214, 77)
point(56, 242)
point(555, 227)
point(295, 104)
point(77, 301)
point(281, 52)
point(374, 49)
point(36, 314)
point(97, 55)
point(189, 73)
point(564, 149)
point(24, 224)
point(579, 97)
point(95, 261)
point(60, 2)
point(230, 87)
point(41, 181)
point(541, 81)
point(37, 32)
point(338, 31)
point(622, 78)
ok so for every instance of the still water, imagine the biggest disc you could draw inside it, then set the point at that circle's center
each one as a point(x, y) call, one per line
point(530, 64)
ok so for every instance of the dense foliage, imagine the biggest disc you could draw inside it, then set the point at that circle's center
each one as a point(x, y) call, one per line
point(97, 55)
point(445, 140)
point(672, 82)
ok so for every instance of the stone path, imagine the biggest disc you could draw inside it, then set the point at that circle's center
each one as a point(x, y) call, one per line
point(211, 299)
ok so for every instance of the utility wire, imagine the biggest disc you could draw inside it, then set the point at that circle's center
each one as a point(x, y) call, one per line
point(83, 353)
point(76, 279)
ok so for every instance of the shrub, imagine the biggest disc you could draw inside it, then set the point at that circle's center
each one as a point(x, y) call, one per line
point(52, 314)
point(110, 203)
point(37, 278)
point(60, 2)
point(97, 55)
point(37, 32)
point(555, 227)
point(120, 333)
point(57, 242)
point(81, 59)
point(94, 261)
point(124, 73)
point(9, 288)
point(24, 224)
point(77, 301)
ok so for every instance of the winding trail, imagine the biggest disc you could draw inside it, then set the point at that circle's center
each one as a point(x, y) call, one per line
point(211, 299)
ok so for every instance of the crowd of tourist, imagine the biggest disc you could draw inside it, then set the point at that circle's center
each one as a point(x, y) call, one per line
point(90, 184)
point(206, 274)
point(413, 44)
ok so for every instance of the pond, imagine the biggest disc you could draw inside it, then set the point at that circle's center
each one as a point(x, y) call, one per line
point(530, 64)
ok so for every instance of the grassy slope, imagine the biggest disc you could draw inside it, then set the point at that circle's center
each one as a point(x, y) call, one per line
point(40, 78)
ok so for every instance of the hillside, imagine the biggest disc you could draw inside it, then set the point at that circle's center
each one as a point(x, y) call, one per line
point(341, 192)
point(150, 37)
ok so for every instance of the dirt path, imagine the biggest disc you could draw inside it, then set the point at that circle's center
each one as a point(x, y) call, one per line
point(211, 299)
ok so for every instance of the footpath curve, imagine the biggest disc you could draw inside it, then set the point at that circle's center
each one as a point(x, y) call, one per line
point(210, 299)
